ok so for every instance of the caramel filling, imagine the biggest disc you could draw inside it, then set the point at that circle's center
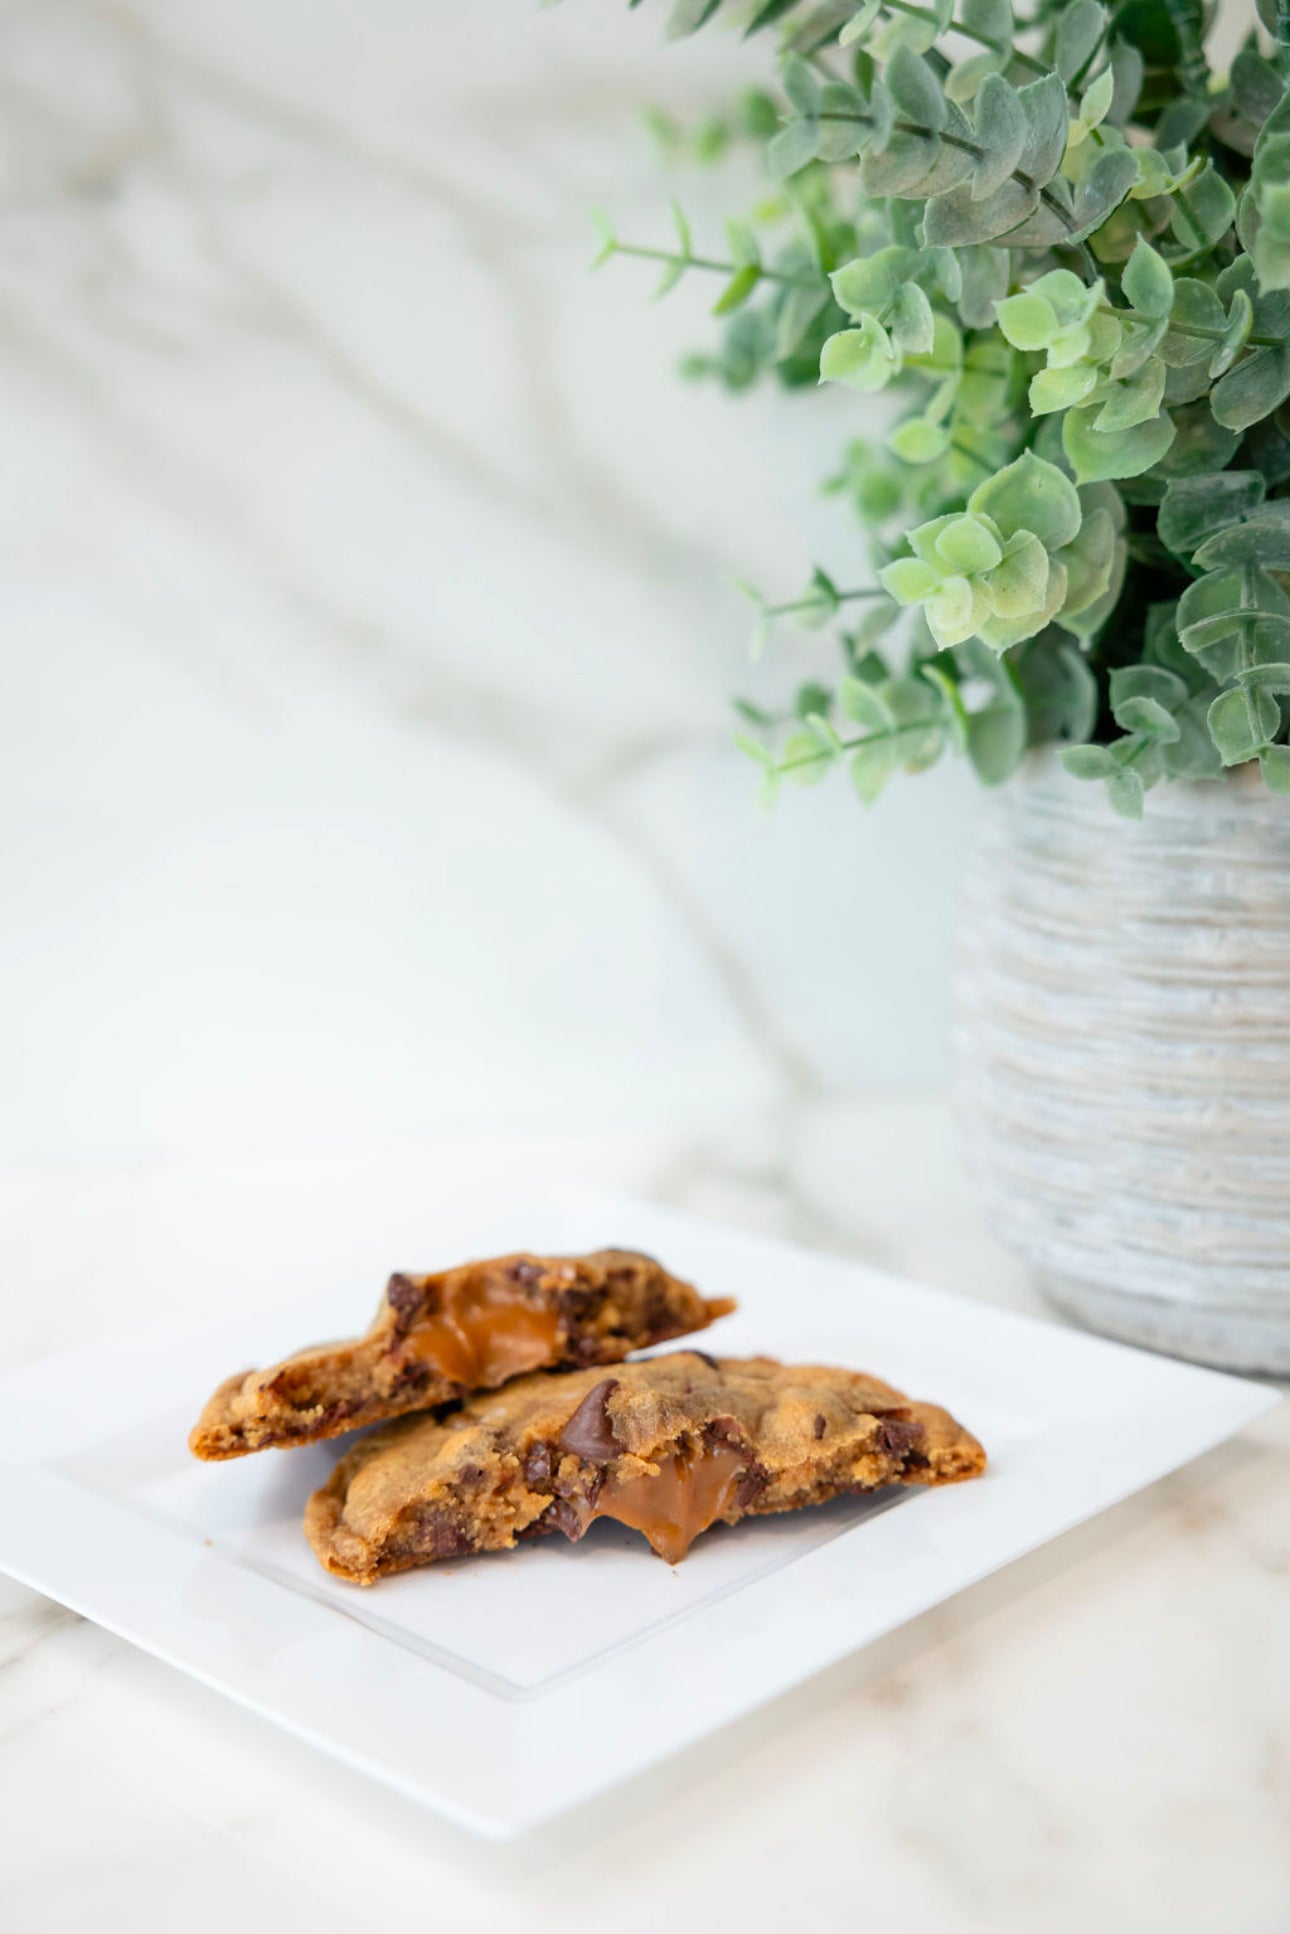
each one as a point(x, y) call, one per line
point(484, 1343)
point(690, 1492)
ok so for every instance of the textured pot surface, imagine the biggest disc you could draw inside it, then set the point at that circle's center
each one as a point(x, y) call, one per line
point(1122, 1037)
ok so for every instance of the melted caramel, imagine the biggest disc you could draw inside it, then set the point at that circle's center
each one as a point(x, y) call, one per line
point(483, 1343)
point(689, 1493)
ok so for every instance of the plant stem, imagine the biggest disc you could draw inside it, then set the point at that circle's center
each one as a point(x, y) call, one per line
point(1197, 330)
point(719, 268)
point(972, 457)
point(810, 604)
point(853, 745)
point(1189, 216)
point(1188, 19)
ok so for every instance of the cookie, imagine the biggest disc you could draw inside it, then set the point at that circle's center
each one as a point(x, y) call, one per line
point(669, 1446)
point(434, 1338)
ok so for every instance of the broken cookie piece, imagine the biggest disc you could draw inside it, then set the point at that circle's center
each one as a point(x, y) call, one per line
point(668, 1446)
point(434, 1338)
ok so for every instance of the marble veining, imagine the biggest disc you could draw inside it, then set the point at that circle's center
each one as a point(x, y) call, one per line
point(364, 561)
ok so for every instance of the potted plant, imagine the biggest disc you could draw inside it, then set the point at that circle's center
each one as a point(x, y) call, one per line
point(1062, 244)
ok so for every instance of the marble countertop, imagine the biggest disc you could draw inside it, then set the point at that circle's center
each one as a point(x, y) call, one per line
point(1097, 1737)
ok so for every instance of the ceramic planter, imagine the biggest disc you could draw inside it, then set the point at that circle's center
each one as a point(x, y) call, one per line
point(1122, 1036)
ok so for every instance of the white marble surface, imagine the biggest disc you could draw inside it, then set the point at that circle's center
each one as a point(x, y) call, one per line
point(365, 762)
point(1098, 1737)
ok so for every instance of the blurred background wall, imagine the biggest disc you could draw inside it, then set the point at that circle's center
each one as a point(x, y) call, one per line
point(363, 572)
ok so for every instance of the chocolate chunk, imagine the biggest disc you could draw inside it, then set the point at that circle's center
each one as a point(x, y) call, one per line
point(440, 1536)
point(564, 1515)
point(525, 1272)
point(726, 1430)
point(820, 1425)
point(753, 1481)
point(589, 1432)
point(537, 1467)
point(538, 1529)
point(584, 1487)
point(406, 1299)
point(895, 1436)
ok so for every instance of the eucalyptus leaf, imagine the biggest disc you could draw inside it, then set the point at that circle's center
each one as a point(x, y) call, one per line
point(1255, 388)
point(1148, 716)
point(800, 85)
point(1147, 282)
point(1274, 763)
point(1266, 678)
point(1031, 495)
point(871, 766)
point(1096, 454)
point(863, 702)
point(1203, 211)
point(1081, 28)
point(957, 219)
point(1003, 131)
point(867, 284)
point(800, 309)
point(912, 323)
point(984, 282)
point(766, 14)
point(1059, 689)
point(1126, 793)
point(803, 761)
point(1242, 724)
point(1090, 762)
point(1196, 308)
point(1193, 754)
point(1134, 401)
point(793, 147)
point(1261, 539)
point(1196, 508)
point(1045, 106)
point(687, 16)
point(1256, 86)
point(1201, 447)
point(996, 740)
point(737, 290)
point(916, 91)
point(1101, 192)
point(1165, 689)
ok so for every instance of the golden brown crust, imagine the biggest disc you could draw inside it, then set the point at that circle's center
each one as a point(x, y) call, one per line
point(579, 1310)
point(547, 1452)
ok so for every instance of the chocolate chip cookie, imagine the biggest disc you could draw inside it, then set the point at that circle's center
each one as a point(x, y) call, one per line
point(434, 1338)
point(668, 1446)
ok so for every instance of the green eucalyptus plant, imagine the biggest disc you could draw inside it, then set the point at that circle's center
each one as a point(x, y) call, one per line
point(1064, 244)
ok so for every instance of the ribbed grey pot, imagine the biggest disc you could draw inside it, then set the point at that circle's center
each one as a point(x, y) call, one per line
point(1122, 1038)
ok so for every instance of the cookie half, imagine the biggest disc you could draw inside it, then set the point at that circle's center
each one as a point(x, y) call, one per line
point(669, 1446)
point(435, 1338)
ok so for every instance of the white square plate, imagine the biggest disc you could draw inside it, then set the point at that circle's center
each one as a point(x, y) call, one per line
point(503, 1690)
